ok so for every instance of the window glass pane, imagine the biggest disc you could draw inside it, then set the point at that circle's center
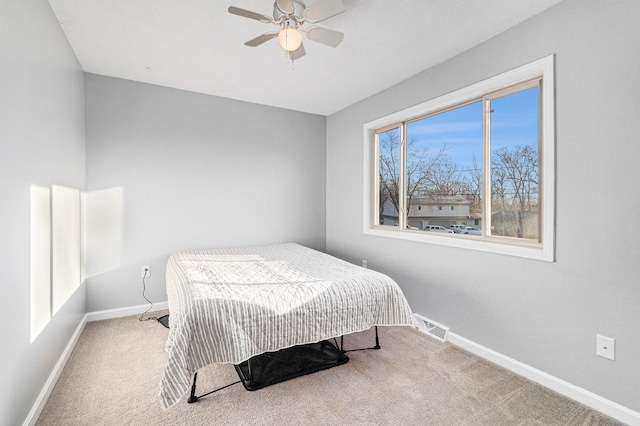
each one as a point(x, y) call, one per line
point(444, 168)
point(389, 177)
point(514, 165)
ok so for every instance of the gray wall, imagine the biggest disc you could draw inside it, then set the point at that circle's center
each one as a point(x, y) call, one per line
point(196, 171)
point(543, 314)
point(187, 171)
point(41, 143)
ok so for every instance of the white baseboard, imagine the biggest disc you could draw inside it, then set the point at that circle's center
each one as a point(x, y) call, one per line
point(583, 396)
point(55, 374)
point(123, 312)
point(38, 406)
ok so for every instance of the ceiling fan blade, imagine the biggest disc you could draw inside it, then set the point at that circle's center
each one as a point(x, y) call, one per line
point(323, 9)
point(325, 36)
point(261, 39)
point(298, 53)
point(248, 14)
point(285, 6)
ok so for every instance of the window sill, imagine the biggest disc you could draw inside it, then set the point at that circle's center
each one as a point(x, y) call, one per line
point(504, 246)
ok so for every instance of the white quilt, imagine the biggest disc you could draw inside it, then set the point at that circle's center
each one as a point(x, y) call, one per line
point(229, 305)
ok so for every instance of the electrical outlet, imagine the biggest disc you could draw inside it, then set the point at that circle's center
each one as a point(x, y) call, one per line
point(364, 263)
point(146, 271)
point(606, 347)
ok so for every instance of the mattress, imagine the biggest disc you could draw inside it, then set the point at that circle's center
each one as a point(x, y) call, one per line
point(229, 305)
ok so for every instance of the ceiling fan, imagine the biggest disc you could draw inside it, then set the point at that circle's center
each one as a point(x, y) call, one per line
point(290, 16)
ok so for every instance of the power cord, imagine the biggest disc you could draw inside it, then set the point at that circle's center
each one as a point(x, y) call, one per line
point(144, 288)
point(164, 320)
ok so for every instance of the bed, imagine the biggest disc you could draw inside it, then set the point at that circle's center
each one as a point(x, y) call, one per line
point(229, 305)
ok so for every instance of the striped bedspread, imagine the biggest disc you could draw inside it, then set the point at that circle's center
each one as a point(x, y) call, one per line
point(229, 305)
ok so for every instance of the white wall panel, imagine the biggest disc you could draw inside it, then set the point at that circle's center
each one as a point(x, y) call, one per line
point(105, 230)
point(65, 244)
point(40, 262)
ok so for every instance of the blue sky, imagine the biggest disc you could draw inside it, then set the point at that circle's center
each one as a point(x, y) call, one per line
point(513, 123)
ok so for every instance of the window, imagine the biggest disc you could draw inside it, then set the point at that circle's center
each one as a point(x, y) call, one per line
point(487, 151)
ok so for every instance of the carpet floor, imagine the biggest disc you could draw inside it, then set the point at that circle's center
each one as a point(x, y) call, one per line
point(113, 375)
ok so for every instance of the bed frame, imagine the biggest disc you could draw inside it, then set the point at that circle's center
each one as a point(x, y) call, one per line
point(271, 368)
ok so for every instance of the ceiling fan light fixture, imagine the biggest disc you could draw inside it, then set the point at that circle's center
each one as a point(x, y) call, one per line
point(291, 16)
point(290, 39)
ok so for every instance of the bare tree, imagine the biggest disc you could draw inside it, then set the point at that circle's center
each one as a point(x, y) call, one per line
point(389, 170)
point(427, 172)
point(514, 180)
point(474, 185)
point(445, 177)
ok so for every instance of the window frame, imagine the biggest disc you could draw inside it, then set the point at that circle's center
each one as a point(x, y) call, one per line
point(544, 248)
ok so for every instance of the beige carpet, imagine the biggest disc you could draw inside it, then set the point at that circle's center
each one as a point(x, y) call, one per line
point(113, 374)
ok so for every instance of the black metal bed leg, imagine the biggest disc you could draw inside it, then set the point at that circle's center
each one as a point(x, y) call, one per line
point(377, 346)
point(193, 398)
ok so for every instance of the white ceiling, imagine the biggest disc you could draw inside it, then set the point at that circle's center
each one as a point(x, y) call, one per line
point(197, 45)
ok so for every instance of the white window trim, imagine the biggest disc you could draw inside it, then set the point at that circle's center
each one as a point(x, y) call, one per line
point(543, 67)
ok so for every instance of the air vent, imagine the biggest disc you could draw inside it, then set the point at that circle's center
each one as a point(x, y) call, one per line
point(432, 328)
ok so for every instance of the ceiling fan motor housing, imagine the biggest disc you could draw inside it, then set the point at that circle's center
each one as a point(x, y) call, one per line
point(298, 10)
